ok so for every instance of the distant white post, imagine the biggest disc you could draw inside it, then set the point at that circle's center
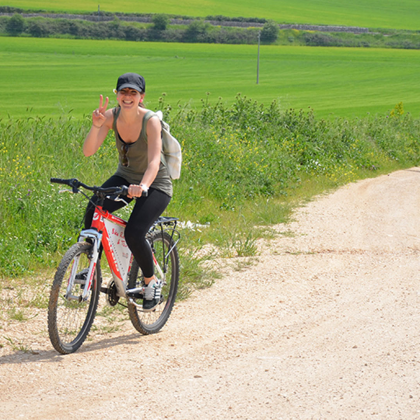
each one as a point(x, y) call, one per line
point(258, 59)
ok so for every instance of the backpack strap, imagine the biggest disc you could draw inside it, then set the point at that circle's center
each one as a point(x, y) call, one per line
point(116, 112)
point(146, 118)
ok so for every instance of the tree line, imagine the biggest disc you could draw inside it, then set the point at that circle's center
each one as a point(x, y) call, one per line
point(158, 27)
point(158, 30)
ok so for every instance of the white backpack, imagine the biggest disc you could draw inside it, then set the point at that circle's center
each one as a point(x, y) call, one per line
point(171, 149)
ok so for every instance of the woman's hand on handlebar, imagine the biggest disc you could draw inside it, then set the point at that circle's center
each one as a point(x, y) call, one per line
point(135, 191)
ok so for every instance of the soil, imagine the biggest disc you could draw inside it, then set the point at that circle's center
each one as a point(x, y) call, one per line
point(323, 325)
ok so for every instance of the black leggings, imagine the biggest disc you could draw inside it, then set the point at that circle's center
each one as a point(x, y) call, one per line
point(144, 214)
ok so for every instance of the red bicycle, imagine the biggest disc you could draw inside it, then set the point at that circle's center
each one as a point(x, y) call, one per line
point(77, 283)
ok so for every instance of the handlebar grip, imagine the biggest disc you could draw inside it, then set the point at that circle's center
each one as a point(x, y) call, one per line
point(59, 181)
point(124, 190)
point(73, 183)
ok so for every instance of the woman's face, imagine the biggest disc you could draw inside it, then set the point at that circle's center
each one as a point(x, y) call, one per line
point(129, 98)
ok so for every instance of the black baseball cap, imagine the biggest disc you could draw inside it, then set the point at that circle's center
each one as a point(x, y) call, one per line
point(133, 81)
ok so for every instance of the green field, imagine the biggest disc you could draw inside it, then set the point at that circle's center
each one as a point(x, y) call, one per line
point(404, 14)
point(51, 76)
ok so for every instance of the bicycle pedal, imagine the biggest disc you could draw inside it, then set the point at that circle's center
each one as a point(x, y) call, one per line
point(135, 293)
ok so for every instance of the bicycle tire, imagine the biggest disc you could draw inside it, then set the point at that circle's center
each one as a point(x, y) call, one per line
point(69, 321)
point(151, 322)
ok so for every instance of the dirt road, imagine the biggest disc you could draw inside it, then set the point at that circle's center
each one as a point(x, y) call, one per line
point(324, 326)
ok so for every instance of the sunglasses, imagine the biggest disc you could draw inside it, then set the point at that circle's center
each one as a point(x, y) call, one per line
point(126, 91)
point(124, 157)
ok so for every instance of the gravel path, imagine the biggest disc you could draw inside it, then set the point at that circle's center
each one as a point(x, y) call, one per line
point(324, 326)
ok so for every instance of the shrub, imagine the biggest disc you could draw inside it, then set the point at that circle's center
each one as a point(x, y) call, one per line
point(8, 9)
point(115, 29)
point(133, 33)
point(38, 28)
point(270, 32)
point(319, 39)
point(160, 22)
point(15, 25)
point(195, 30)
point(173, 35)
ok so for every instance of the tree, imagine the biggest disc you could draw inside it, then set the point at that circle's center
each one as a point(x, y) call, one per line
point(270, 31)
point(15, 25)
point(160, 22)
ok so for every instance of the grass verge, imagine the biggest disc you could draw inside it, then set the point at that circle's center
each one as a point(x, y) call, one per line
point(246, 167)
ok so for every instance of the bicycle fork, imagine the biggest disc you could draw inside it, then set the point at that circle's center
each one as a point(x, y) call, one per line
point(95, 237)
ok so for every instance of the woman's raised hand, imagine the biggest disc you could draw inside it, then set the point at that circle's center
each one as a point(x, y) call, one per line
point(98, 115)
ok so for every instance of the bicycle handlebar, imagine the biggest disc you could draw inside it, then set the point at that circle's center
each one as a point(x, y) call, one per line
point(75, 184)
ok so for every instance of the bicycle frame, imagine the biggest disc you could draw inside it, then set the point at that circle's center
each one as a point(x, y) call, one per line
point(108, 230)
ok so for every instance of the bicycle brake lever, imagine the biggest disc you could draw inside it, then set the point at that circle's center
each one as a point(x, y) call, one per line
point(116, 198)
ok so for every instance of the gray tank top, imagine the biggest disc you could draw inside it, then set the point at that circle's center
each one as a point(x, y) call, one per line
point(134, 155)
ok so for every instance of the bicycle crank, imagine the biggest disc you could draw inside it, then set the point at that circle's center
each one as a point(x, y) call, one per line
point(112, 297)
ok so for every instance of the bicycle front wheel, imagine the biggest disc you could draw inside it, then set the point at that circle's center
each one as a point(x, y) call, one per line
point(167, 257)
point(70, 318)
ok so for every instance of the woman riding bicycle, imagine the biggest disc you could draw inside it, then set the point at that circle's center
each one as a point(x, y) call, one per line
point(141, 168)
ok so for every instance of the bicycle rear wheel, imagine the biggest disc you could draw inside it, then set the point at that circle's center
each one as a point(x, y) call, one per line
point(70, 319)
point(167, 256)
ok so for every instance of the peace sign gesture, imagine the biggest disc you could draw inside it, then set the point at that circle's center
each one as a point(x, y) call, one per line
point(98, 117)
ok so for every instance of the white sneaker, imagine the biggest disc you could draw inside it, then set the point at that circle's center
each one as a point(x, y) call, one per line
point(151, 295)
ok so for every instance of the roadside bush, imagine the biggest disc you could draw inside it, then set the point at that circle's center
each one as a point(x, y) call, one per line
point(270, 31)
point(76, 28)
point(196, 31)
point(15, 25)
point(319, 40)
point(233, 36)
point(160, 22)
point(3, 23)
point(8, 9)
point(133, 33)
point(173, 35)
point(38, 28)
point(64, 26)
point(114, 29)
point(153, 34)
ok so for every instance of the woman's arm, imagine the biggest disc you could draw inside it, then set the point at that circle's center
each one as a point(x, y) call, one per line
point(101, 124)
point(154, 148)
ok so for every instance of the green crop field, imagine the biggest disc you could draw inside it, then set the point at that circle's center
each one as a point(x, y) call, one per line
point(404, 14)
point(52, 76)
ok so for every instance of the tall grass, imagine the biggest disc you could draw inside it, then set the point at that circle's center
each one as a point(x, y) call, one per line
point(244, 165)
